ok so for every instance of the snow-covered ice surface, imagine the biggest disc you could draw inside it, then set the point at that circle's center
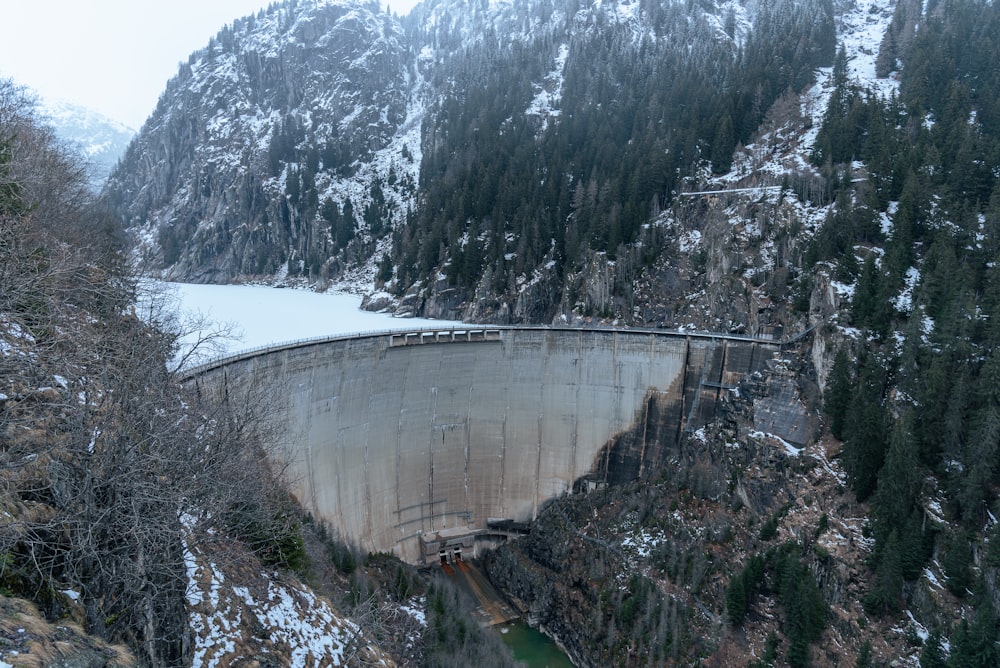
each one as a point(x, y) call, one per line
point(263, 316)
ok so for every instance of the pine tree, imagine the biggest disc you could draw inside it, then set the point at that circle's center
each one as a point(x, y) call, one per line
point(839, 391)
point(932, 655)
point(864, 304)
point(865, 431)
point(980, 458)
point(887, 590)
point(864, 659)
point(974, 645)
point(956, 563)
point(723, 145)
point(899, 478)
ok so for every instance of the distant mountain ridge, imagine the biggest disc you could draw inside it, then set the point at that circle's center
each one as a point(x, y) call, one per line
point(102, 140)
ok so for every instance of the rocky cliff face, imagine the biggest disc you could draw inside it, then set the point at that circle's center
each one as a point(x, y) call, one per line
point(327, 140)
point(225, 179)
point(641, 572)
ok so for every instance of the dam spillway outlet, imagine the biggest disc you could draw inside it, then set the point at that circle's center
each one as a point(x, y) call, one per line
point(416, 443)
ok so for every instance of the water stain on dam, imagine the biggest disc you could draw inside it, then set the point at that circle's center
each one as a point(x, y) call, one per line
point(424, 443)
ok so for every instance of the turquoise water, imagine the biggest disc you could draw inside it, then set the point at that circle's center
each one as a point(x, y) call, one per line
point(531, 647)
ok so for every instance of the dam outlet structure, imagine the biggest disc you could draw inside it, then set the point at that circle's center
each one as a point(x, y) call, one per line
point(431, 444)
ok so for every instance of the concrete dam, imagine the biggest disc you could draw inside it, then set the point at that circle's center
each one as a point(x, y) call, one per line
point(430, 444)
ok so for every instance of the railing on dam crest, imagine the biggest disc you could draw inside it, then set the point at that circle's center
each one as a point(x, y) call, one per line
point(473, 333)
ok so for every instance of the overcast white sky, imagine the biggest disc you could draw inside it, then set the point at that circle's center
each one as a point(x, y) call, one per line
point(113, 56)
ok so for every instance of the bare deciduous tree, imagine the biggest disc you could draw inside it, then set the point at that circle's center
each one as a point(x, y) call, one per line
point(106, 463)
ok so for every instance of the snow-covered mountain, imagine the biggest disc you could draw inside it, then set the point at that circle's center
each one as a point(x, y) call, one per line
point(101, 139)
point(234, 172)
point(329, 140)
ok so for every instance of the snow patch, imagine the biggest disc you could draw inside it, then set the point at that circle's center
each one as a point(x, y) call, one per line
point(643, 542)
point(903, 302)
point(548, 96)
point(417, 610)
point(790, 449)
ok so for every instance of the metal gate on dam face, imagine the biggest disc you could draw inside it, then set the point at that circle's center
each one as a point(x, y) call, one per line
point(416, 443)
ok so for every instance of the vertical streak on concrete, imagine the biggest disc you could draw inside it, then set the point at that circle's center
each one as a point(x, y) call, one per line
point(578, 365)
point(507, 355)
point(645, 411)
point(681, 424)
point(722, 371)
point(468, 436)
point(309, 441)
point(618, 422)
point(538, 426)
point(468, 456)
point(757, 352)
point(336, 448)
point(432, 441)
point(367, 471)
point(401, 531)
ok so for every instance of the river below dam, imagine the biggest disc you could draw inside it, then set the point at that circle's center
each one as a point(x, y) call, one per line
point(531, 647)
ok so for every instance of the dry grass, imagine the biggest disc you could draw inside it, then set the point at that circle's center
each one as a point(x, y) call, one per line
point(27, 640)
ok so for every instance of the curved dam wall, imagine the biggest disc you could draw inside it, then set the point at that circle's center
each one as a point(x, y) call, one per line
point(418, 443)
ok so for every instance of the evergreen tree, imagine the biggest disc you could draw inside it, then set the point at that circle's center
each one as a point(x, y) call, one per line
point(974, 644)
point(899, 478)
point(981, 465)
point(864, 659)
point(886, 594)
point(870, 306)
point(957, 562)
point(805, 608)
point(865, 431)
point(932, 655)
point(839, 391)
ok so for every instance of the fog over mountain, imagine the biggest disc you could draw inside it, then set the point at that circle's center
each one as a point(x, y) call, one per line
point(102, 140)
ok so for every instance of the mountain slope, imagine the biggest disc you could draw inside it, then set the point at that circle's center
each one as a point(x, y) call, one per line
point(100, 139)
point(818, 169)
point(322, 137)
point(224, 179)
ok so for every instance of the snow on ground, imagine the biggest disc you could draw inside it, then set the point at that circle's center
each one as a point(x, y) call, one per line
point(314, 636)
point(262, 316)
point(903, 302)
point(932, 578)
point(643, 542)
point(298, 628)
point(417, 610)
point(780, 150)
point(211, 626)
point(789, 449)
point(859, 33)
point(14, 339)
point(548, 97)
